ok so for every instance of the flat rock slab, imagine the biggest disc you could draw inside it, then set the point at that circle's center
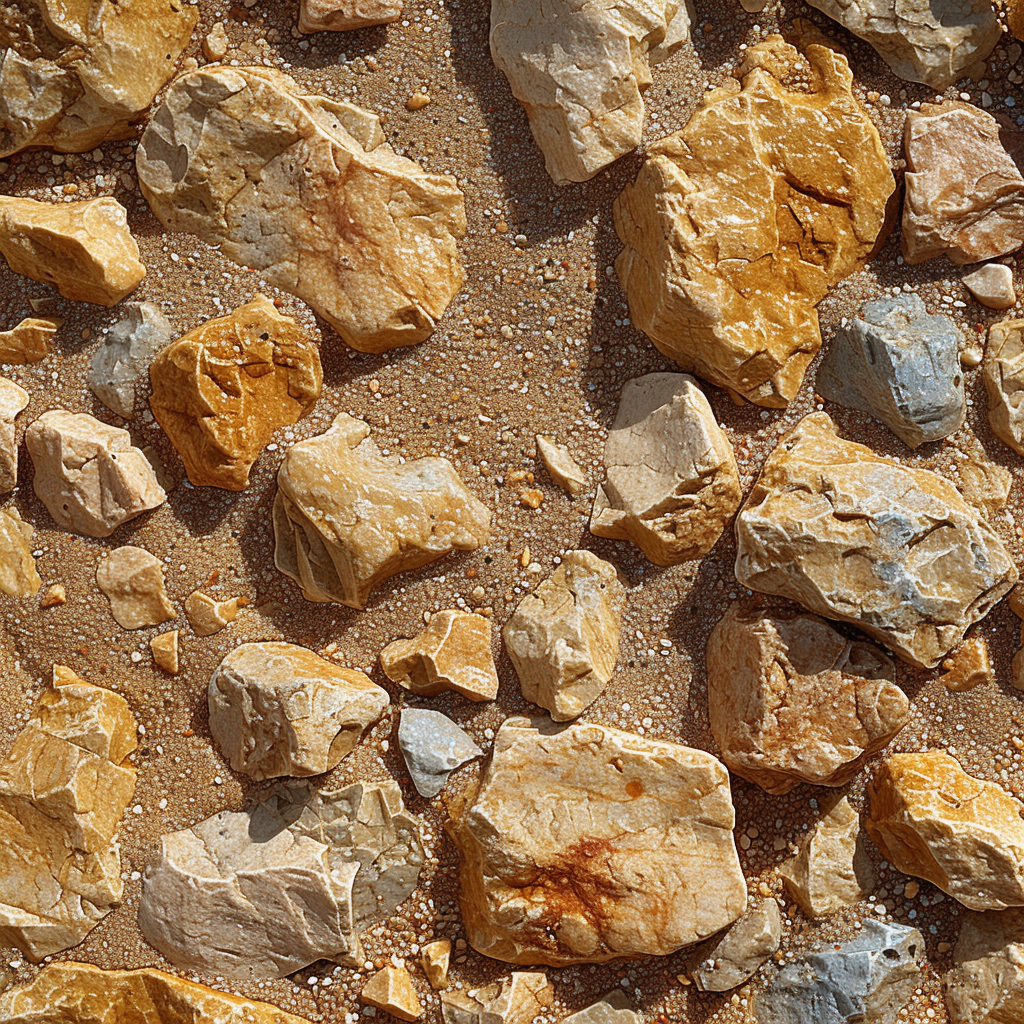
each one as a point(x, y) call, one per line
point(433, 747)
point(742, 949)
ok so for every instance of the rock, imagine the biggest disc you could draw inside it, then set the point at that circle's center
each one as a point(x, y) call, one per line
point(857, 537)
point(346, 518)
point(867, 980)
point(63, 787)
point(216, 43)
point(1003, 369)
point(54, 595)
point(376, 233)
point(435, 957)
point(343, 15)
point(83, 249)
point(968, 667)
point(933, 820)
point(901, 365)
point(992, 286)
point(452, 653)
point(221, 391)
point(720, 222)
point(614, 1008)
point(737, 955)
point(125, 355)
point(29, 342)
point(165, 651)
point(433, 747)
point(832, 869)
point(391, 990)
point(791, 700)
point(563, 639)
point(87, 473)
point(584, 844)
point(133, 581)
point(515, 1000)
point(207, 616)
point(561, 466)
point(265, 892)
point(968, 210)
point(984, 484)
point(671, 481)
point(279, 709)
point(18, 575)
point(579, 70)
point(986, 986)
point(13, 399)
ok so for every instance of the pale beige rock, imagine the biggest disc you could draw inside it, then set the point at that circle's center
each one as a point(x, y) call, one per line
point(671, 480)
point(391, 989)
point(857, 537)
point(54, 595)
point(561, 466)
point(738, 225)
point(983, 483)
point(790, 700)
point(968, 666)
point(133, 581)
point(1003, 369)
point(339, 219)
point(165, 651)
point(933, 820)
point(986, 985)
point(207, 616)
point(347, 518)
point(563, 639)
point(13, 399)
point(18, 575)
point(519, 999)
point(614, 1008)
point(343, 15)
point(992, 286)
point(452, 653)
point(436, 957)
point(585, 844)
point(745, 945)
point(216, 42)
point(29, 341)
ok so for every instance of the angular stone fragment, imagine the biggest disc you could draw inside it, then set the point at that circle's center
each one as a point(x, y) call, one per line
point(391, 990)
point(165, 651)
point(133, 581)
point(87, 473)
point(433, 747)
point(563, 639)
point(222, 390)
point(18, 575)
point(306, 190)
point(738, 225)
point(279, 709)
point(54, 595)
point(968, 667)
point(933, 820)
point(737, 955)
point(614, 1008)
point(992, 285)
point(29, 341)
point(987, 984)
point(983, 483)
point(207, 616)
point(580, 68)
point(561, 466)
point(1003, 369)
point(13, 399)
point(584, 844)
point(515, 1000)
point(435, 957)
point(346, 518)
point(860, 538)
point(216, 43)
point(343, 15)
point(791, 700)
point(83, 249)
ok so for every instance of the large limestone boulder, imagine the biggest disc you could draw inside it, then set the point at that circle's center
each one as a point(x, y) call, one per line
point(306, 190)
point(986, 986)
point(738, 225)
point(864, 539)
point(1003, 369)
point(586, 844)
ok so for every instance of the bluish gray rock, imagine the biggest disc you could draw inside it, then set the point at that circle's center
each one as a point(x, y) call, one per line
point(433, 747)
point(900, 364)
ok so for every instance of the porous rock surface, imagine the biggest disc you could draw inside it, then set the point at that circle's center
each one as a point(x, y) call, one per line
point(986, 984)
point(1003, 370)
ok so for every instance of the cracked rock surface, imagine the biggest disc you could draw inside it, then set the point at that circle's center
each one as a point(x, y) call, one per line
point(986, 984)
point(518, 999)
point(28, 341)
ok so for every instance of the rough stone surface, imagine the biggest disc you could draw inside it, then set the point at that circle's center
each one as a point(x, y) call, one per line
point(207, 616)
point(391, 990)
point(563, 639)
point(519, 999)
point(433, 747)
point(88, 474)
point(968, 667)
point(984, 484)
point(29, 341)
point(737, 955)
point(992, 285)
point(738, 225)
point(133, 581)
point(860, 538)
point(343, 15)
point(614, 1008)
point(165, 651)
point(305, 189)
point(561, 466)
point(436, 957)
point(986, 985)
point(216, 42)
point(18, 575)
point(13, 399)
point(346, 518)
point(585, 844)
point(1003, 369)
point(221, 391)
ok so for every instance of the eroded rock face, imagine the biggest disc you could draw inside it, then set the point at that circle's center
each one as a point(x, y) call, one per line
point(586, 844)
point(741, 950)
point(738, 225)
point(29, 341)
point(347, 518)
point(860, 538)
point(1003, 370)
point(18, 575)
point(343, 15)
point(987, 984)
point(518, 999)
point(306, 190)
point(133, 581)
point(13, 399)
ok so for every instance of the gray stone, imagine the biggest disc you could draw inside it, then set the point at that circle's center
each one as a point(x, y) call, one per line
point(987, 984)
point(433, 747)
point(901, 365)
point(740, 951)
point(614, 1008)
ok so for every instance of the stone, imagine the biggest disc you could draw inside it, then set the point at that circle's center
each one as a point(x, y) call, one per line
point(580, 70)
point(18, 575)
point(515, 1000)
point(343, 15)
point(968, 666)
point(29, 341)
point(614, 1008)
point(967, 210)
point(832, 869)
point(435, 957)
point(216, 43)
point(790, 700)
point(738, 225)
point(133, 581)
point(583, 844)
point(347, 518)
point(563, 639)
point(992, 286)
point(305, 189)
point(867, 980)
point(561, 466)
point(54, 595)
point(433, 747)
point(125, 354)
point(279, 709)
point(207, 616)
point(986, 985)
point(1003, 370)
point(74, 993)
point(84, 249)
point(452, 653)
point(933, 820)
point(13, 400)
point(671, 481)
point(165, 651)
point(262, 893)
point(738, 954)
point(391, 989)
point(64, 786)
point(853, 536)
point(983, 483)
point(900, 364)
point(88, 474)
point(221, 391)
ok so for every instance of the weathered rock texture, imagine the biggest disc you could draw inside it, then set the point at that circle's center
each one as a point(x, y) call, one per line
point(306, 190)
point(561, 466)
point(346, 518)
point(587, 844)
point(18, 575)
point(519, 999)
point(614, 1008)
point(391, 989)
point(165, 651)
point(343, 15)
point(207, 616)
point(222, 390)
point(737, 955)
point(133, 581)
point(1003, 369)
point(433, 746)
point(987, 984)
point(863, 539)
point(13, 399)
point(969, 666)
point(29, 341)
point(740, 223)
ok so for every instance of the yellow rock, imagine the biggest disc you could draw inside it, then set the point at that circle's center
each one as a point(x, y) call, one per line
point(435, 957)
point(968, 666)
point(207, 616)
point(519, 999)
point(13, 399)
point(133, 581)
point(1003, 369)
point(29, 341)
point(18, 575)
point(561, 466)
point(165, 651)
point(392, 990)
point(216, 42)
point(55, 595)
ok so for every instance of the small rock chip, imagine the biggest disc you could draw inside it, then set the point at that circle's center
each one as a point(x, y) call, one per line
point(29, 341)
point(207, 616)
point(519, 999)
point(614, 1008)
point(417, 101)
point(435, 957)
point(13, 399)
point(561, 466)
point(216, 42)
point(133, 581)
point(987, 984)
point(55, 594)
point(736, 956)
point(165, 651)
point(1003, 369)
point(18, 575)
point(992, 286)
point(433, 747)
point(968, 666)
point(391, 990)
point(343, 15)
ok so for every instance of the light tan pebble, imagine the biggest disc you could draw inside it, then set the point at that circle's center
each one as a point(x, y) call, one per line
point(417, 101)
point(133, 581)
point(992, 286)
point(561, 466)
point(207, 616)
point(435, 957)
point(55, 594)
point(392, 991)
point(165, 651)
point(216, 43)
